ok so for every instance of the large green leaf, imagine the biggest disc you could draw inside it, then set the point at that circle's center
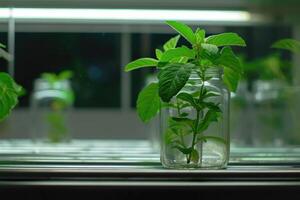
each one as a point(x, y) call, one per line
point(9, 92)
point(226, 39)
point(231, 79)
point(230, 60)
point(172, 78)
point(177, 52)
point(183, 30)
point(171, 43)
point(148, 102)
point(288, 44)
point(2, 45)
point(209, 52)
point(139, 63)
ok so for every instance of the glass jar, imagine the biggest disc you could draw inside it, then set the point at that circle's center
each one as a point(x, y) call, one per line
point(182, 147)
point(276, 114)
point(50, 105)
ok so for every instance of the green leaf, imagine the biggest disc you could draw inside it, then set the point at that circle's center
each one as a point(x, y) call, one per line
point(50, 77)
point(2, 46)
point(140, 63)
point(231, 79)
point(210, 116)
point(210, 48)
point(161, 65)
point(189, 98)
point(195, 156)
point(171, 43)
point(206, 63)
point(228, 59)
point(179, 60)
point(200, 35)
point(209, 52)
point(65, 75)
point(212, 106)
point(226, 39)
point(288, 44)
point(170, 137)
point(148, 102)
point(177, 52)
point(183, 30)
point(172, 78)
point(232, 68)
point(158, 53)
point(182, 121)
point(9, 92)
point(184, 150)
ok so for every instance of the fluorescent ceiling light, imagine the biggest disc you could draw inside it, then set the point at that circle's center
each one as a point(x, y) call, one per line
point(4, 13)
point(118, 15)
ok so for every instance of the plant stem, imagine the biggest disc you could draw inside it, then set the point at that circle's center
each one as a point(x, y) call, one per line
point(202, 77)
point(194, 136)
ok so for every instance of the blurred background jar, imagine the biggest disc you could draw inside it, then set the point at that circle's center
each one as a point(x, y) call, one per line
point(275, 114)
point(51, 102)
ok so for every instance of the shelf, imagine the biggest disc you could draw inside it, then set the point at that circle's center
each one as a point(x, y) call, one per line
point(127, 164)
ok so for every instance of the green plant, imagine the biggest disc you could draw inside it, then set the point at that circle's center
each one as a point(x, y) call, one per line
point(268, 67)
point(9, 89)
point(56, 117)
point(289, 44)
point(53, 78)
point(175, 65)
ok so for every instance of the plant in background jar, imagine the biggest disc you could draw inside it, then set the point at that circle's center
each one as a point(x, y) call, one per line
point(192, 96)
point(51, 102)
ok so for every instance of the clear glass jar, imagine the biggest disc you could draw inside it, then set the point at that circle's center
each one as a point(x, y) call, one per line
point(50, 105)
point(182, 147)
point(276, 114)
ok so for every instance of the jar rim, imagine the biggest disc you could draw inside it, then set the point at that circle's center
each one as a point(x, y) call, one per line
point(42, 84)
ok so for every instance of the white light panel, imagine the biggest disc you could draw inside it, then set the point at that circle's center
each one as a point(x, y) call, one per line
point(125, 14)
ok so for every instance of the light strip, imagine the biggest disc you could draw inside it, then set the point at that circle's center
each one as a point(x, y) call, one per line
point(4, 13)
point(125, 14)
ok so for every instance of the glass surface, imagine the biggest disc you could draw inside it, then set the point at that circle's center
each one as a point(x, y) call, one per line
point(208, 147)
